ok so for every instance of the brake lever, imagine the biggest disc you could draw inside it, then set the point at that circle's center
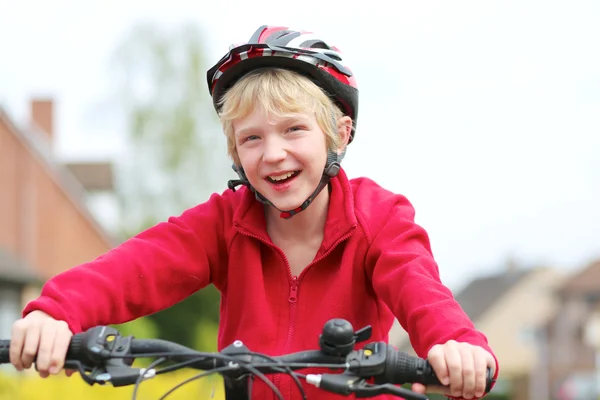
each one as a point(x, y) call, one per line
point(116, 375)
point(87, 373)
point(348, 383)
point(106, 358)
point(368, 390)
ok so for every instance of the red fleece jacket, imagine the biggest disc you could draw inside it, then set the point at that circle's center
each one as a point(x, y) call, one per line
point(374, 263)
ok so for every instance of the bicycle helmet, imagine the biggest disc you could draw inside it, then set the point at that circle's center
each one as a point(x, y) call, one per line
point(300, 51)
point(297, 50)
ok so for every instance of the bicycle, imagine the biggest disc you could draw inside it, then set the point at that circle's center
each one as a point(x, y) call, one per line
point(101, 355)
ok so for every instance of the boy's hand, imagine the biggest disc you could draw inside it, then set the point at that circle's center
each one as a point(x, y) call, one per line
point(39, 337)
point(462, 366)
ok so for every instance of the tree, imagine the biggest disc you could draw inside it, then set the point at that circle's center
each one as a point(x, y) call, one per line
point(176, 151)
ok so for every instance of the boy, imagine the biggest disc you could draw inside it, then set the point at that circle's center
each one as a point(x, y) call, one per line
point(314, 246)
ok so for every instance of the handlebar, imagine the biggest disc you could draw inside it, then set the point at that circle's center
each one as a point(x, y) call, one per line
point(102, 355)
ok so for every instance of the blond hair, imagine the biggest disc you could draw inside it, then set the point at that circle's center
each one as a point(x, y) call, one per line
point(279, 92)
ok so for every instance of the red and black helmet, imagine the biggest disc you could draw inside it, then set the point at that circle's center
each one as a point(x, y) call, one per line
point(296, 50)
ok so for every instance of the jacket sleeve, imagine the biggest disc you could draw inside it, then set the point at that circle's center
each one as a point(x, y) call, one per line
point(406, 277)
point(145, 274)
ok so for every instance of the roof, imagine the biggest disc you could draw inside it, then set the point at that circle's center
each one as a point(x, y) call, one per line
point(14, 271)
point(35, 141)
point(585, 281)
point(94, 176)
point(476, 298)
point(481, 293)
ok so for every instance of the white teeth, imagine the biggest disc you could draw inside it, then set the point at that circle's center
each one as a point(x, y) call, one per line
point(281, 177)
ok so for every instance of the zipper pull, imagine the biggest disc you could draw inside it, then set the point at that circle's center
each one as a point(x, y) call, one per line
point(293, 290)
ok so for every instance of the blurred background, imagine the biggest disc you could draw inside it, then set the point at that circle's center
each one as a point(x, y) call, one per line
point(485, 114)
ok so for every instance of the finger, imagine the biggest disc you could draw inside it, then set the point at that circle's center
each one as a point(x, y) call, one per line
point(69, 372)
point(437, 389)
point(437, 360)
point(17, 341)
point(418, 388)
point(490, 360)
point(481, 363)
point(47, 337)
point(30, 346)
point(61, 346)
point(454, 366)
point(468, 371)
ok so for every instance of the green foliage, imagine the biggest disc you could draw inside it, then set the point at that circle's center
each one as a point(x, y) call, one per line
point(206, 336)
point(140, 328)
point(176, 149)
point(182, 322)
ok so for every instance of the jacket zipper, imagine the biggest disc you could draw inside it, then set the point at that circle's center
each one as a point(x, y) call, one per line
point(294, 282)
point(293, 290)
point(292, 298)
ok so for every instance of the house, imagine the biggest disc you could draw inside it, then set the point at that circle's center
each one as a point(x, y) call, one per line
point(571, 337)
point(45, 225)
point(508, 307)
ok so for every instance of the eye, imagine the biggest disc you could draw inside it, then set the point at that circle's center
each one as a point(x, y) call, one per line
point(249, 138)
point(296, 128)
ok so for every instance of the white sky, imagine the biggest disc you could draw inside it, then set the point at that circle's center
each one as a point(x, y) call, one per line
point(486, 114)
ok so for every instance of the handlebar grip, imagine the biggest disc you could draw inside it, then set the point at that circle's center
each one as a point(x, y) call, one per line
point(4, 351)
point(74, 353)
point(403, 368)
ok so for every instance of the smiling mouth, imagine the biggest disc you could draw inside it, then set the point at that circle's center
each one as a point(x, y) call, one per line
point(280, 179)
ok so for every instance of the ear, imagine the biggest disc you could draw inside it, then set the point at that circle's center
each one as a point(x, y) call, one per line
point(344, 130)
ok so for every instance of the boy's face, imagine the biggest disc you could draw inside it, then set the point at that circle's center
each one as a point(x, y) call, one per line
point(283, 157)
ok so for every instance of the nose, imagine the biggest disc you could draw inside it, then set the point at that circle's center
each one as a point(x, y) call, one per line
point(274, 150)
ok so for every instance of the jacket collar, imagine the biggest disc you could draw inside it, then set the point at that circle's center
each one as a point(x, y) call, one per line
point(341, 218)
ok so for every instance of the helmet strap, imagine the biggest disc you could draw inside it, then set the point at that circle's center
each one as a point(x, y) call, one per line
point(332, 168)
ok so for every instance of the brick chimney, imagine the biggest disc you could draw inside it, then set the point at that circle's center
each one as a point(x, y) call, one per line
point(42, 115)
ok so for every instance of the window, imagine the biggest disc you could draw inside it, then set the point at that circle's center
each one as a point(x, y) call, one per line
point(591, 298)
point(528, 335)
